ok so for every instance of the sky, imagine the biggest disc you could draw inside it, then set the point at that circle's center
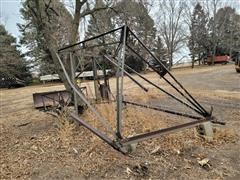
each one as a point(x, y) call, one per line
point(10, 15)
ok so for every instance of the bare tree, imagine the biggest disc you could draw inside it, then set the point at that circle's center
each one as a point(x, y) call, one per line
point(43, 13)
point(170, 25)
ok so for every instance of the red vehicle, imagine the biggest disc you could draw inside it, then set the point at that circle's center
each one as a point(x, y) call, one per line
point(218, 59)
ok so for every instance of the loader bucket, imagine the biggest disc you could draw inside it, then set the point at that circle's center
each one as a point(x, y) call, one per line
point(51, 99)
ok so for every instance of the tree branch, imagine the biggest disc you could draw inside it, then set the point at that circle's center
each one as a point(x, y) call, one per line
point(91, 11)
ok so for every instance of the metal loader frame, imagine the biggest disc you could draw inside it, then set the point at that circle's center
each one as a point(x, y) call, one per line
point(125, 43)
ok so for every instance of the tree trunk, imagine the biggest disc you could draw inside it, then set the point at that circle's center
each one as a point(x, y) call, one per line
point(45, 26)
point(170, 59)
point(193, 59)
point(199, 59)
point(52, 46)
point(214, 54)
point(43, 15)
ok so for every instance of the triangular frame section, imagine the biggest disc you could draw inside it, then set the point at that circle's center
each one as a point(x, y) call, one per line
point(118, 60)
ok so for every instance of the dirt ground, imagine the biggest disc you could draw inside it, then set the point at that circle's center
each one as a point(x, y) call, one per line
point(36, 145)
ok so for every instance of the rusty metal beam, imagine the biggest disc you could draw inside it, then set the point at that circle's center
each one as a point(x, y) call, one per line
point(163, 110)
point(154, 134)
point(119, 142)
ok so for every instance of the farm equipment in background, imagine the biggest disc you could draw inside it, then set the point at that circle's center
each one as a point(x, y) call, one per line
point(237, 63)
point(11, 82)
point(159, 66)
point(218, 59)
point(53, 99)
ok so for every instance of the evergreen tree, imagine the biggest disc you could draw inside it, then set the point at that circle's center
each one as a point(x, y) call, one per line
point(227, 34)
point(199, 40)
point(135, 15)
point(33, 38)
point(227, 31)
point(100, 21)
point(160, 51)
point(13, 65)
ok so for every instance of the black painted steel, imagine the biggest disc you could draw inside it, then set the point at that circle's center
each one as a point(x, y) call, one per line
point(90, 39)
point(127, 74)
point(205, 112)
point(163, 110)
point(158, 87)
point(118, 142)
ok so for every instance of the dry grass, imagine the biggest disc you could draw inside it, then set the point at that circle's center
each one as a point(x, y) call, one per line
point(138, 120)
point(50, 148)
point(142, 96)
point(218, 94)
point(223, 135)
point(107, 111)
point(183, 142)
point(65, 129)
point(135, 120)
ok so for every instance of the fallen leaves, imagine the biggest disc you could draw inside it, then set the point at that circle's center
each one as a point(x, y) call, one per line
point(205, 163)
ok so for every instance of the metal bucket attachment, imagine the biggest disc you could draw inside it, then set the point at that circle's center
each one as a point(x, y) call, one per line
point(50, 99)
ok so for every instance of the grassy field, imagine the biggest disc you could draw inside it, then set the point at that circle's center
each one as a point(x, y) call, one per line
point(36, 145)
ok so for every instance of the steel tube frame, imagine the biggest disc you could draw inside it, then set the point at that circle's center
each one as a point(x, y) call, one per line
point(102, 119)
point(89, 47)
point(145, 89)
point(119, 81)
point(127, 74)
point(161, 89)
point(101, 135)
point(146, 136)
point(163, 110)
point(189, 100)
point(95, 79)
point(72, 64)
point(158, 87)
point(196, 110)
point(119, 142)
point(94, 130)
point(90, 39)
point(206, 113)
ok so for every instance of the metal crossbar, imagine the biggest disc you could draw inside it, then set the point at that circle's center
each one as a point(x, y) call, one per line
point(163, 66)
point(118, 60)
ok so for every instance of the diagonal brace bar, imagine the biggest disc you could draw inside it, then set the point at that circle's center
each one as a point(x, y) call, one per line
point(174, 97)
point(205, 112)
